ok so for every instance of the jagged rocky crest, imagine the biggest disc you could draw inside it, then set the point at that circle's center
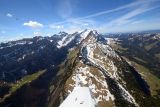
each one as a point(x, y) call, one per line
point(100, 68)
point(81, 59)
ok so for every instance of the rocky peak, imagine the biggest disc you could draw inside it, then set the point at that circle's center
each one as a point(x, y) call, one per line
point(96, 68)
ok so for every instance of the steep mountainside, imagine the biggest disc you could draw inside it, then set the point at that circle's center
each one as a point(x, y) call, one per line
point(43, 71)
point(140, 51)
point(111, 80)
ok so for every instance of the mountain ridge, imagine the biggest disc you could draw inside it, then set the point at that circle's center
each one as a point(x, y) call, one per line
point(80, 59)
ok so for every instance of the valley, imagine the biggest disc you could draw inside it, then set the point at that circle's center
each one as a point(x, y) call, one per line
point(115, 74)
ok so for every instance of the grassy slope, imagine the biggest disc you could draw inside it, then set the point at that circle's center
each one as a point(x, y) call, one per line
point(150, 46)
point(152, 80)
point(57, 93)
point(26, 79)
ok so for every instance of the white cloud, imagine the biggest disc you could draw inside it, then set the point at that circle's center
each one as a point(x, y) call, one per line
point(131, 5)
point(73, 29)
point(138, 7)
point(65, 8)
point(137, 22)
point(33, 24)
point(128, 19)
point(9, 15)
point(56, 26)
point(72, 25)
point(81, 22)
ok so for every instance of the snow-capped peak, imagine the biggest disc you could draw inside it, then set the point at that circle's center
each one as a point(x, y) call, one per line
point(78, 37)
point(62, 33)
point(95, 32)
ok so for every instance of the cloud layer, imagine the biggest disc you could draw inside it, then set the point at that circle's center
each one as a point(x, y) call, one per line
point(128, 18)
point(33, 24)
point(64, 8)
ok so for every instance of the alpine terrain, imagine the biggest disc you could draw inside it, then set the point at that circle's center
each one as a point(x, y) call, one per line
point(113, 70)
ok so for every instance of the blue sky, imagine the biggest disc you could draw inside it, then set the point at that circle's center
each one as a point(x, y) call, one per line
point(28, 18)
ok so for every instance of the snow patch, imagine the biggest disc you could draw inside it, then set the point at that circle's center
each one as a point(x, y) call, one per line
point(83, 77)
point(127, 96)
point(79, 97)
point(65, 40)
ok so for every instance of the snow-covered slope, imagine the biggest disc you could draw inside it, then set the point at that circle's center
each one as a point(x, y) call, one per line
point(82, 70)
point(77, 37)
point(97, 64)
point(80, 97)
point(65, 40)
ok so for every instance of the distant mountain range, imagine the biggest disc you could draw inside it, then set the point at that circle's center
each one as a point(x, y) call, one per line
point(152, 31)
point(131, 32)
point(120, 70)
